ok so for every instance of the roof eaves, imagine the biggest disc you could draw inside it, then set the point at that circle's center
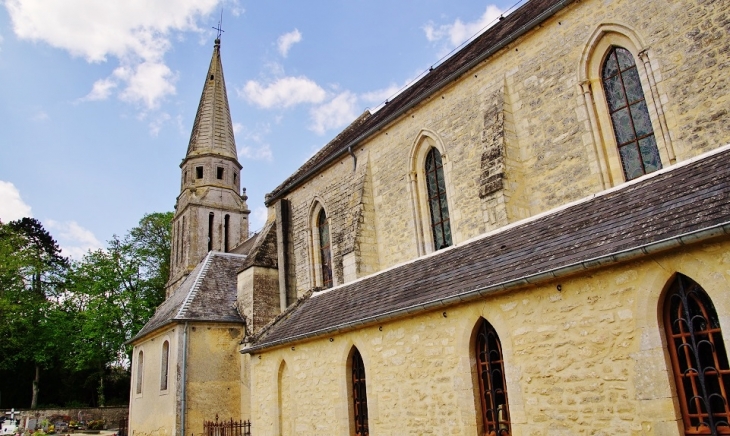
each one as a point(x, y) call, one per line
point(533, 279)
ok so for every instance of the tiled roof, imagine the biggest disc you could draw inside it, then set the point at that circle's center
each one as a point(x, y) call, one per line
point(512, 26)
point(632, 219)
point(207, 294)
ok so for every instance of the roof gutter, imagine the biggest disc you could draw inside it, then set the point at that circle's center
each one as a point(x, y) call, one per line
point(547, 13)
point(532, 279)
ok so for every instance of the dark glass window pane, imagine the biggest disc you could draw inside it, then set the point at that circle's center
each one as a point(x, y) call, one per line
point(625, 59)
point(492, 383)
point(698, 357)
point(634, 92)
point(359, 395)
point(611, 66)
point(622, 86)
point(614, 93)
point(650, 154)
point(640, 115)
point(437, 202)
point(631, 161)
point(324, 249)
point(622, 126)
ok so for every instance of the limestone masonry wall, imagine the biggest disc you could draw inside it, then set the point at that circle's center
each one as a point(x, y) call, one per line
point(586, 359)
point(517, 132)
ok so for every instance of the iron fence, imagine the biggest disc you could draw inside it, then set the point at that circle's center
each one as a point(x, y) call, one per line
point(226, 428)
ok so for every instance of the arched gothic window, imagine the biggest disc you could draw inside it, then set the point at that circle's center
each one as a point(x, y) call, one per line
point(629, 114)
point(325, 255)
point(438, 206)
point(492, 383)
point(164, 365)
point(699, 359)
point(359, 394)
point(140, 368)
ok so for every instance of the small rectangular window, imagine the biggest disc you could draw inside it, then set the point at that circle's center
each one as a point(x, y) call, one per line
point(235, 177)
point(198, 172)
point(219, 173)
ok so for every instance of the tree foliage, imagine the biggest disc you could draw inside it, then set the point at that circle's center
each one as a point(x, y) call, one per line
point(75, 317)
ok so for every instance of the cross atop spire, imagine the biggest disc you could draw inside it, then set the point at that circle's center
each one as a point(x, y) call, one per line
point(219, 29)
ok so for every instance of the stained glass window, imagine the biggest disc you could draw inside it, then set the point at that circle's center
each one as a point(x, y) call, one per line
point(699, 358)
point(359, 395)
point(492, 383)
point(325, 255)
point(629, 115)
point(438, 206)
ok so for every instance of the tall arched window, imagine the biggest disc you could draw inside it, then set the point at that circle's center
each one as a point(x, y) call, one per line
point(359, 394)
point(438, 206)
point(629, 114)
point(164, 365)
point(226, 221)
point(140, 368)
point(492, 383)
point(325, 255)
point(699, 358)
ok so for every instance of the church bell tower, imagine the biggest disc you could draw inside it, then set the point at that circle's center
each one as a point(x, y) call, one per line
point(211, 213)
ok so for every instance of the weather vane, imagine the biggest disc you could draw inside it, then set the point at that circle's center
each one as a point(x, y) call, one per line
point(219, 28)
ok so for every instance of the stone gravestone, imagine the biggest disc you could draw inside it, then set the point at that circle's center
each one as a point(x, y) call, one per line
point(32, 422)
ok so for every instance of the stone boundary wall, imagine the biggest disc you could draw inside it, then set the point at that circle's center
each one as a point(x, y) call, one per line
point(112, 415)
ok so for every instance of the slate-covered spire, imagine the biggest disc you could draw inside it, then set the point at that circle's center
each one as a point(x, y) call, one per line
point(213, 130)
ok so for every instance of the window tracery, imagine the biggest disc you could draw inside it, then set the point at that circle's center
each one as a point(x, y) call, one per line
point(492, 382)
point(699, 358)
point(629, 114)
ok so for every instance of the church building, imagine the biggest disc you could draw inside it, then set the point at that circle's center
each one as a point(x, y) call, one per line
point(531, 239)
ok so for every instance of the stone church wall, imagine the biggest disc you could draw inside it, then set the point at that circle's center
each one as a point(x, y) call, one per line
point(588, 358)
point(517, 132)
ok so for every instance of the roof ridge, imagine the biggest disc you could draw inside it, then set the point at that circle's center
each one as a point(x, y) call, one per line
point(196, 285)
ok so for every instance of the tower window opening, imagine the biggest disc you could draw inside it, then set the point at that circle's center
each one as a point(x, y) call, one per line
point(210, 231)
point(226, 220)
point(235, 177)
point(198, 172)
point(219, 173)
point(211, 77)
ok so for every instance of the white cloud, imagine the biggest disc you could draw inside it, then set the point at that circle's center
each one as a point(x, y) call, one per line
point(261, 150)
point(135, 32)
point(101, 90)
point(286, 40)
point(338, 112)
point(258, 218)
point(458, 31)
point(74, 240)
point(284, 92)
point(12, 207)
point(256, 153)
point(157, 123)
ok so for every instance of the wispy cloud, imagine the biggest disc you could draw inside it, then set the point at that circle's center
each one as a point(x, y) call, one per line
point(283, 93)
point(40, 116)
point(157, 122)
point(12, 206)
point(286, 41)
point(253, 145)
point(457, 32)
point(258, 218)
point(74, 240)
point(134, 32)
point(337, 112)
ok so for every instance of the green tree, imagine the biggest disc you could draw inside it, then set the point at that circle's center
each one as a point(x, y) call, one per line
point(114, 292)
point(32, 284)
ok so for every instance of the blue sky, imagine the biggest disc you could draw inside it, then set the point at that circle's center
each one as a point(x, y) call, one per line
point(98, 97)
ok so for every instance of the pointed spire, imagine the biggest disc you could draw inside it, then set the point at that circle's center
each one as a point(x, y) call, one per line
point(213, 130)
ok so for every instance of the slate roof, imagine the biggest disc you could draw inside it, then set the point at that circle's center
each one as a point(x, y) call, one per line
point(508, 29)
point(630, 220)
point(207, 294)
